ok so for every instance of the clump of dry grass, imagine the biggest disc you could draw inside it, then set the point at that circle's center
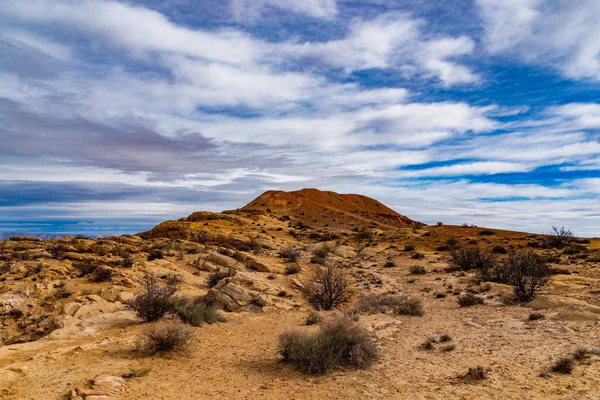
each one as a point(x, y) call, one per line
point(396, 304)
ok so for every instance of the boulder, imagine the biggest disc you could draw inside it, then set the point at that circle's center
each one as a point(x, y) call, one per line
point(71, 308)
point(222, 260)
point(232, 296)
point(552, 302)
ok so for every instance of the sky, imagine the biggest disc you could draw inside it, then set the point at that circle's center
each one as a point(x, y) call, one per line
point(117, 115)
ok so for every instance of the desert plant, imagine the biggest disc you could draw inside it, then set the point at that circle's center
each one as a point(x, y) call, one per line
point(471, 257)
point(564, 365)
point(536, 316)
point(339, 342)
point(155, 253)
point(292, 269)
point(389, 264)
point(487, 232)
point(528, 273)
point(581, 354)
point(409, 247)
point(195, 311)
point(290, 253)
point(559, 237)
point(328, 287)
point(382, 303)
point(154, 301)
point(321, 251)
point(417, 270)
point(128, 260)
point(216, 277)
point(475, 374)
point(169, 334)
point(102, 274)
point(57, 250)
point(313, 318)
point(136, 373)
point(445, 338)
point(499, 249)
point(469, 299)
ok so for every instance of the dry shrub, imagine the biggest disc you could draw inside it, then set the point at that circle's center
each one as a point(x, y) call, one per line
point(475, 374)
point(381, 304)
point(467, 258)
point(469, 300)
point(564, 365)
point(155, 253)
point(526, 271)
point(102, 274)
point(559, 238)
point(216, 277)
point(292, 269)
point(128, 260)
point(339, 342)
point(417, 270)
point(290, 253)
point(154, 301)
point(195, 311)
point(328, 287)
point(169, 334)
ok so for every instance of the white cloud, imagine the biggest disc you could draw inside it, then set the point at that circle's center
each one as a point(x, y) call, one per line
point(473, 168)
point(39, 43)
point(392, 41)
point(251, 9)
point(558, 33)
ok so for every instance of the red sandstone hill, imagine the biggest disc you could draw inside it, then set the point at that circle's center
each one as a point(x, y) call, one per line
point(316, 207)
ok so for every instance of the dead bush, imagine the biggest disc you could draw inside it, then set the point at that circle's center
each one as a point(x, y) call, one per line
point(340, 342)
point(102, 274)
point(559, 238)
point(154, 301)
point(475, 374)
point(128, 260)
point(468, 258)
point(469, 299)
point(155, 253)
point(322, 251)
point(564, 365)
point(216, 277)
point(417, 270)
point(290, 253)
point(527, 272)
point(328, 287)
point(382, 304)
point(169, 334)
point(292, 269)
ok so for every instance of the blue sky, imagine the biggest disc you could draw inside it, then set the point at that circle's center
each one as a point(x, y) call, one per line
point(117, 115)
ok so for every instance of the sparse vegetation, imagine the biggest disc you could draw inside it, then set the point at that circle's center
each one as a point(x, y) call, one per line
point(136, 373)
point(396, 304)
point(102, 274)
point(468, 258)
point(559, 238)
point(340, 342)
point(474, 374)
point(536, 316)
point(469, 299)
point(154, 301)
point(417, 270)
point(216, 277)
point(527, 272)
point(155, 254)
point(292, 269)
point(166, 335)
point(564, 365)
point(328, 287)
point(290, 253)
point(195, 311)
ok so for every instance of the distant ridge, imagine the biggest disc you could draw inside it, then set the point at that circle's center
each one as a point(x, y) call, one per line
point(43, 236)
